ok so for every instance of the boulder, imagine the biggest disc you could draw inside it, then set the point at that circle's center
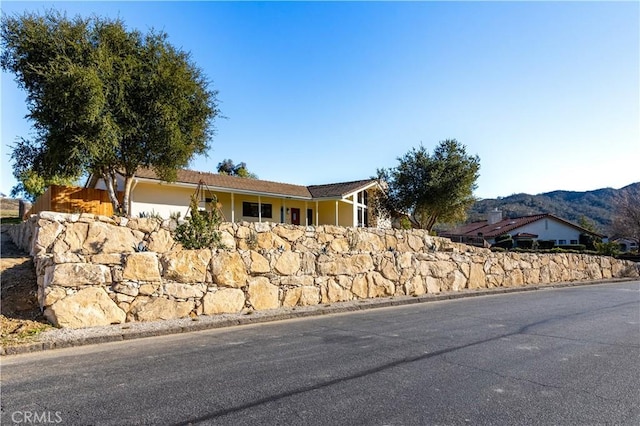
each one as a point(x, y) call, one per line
point(223, 301)
point(75, 236)
point(46, 234)
point(105, 238)
point(270, 241)
point(290, 234)
point(333, 292)
point(288, 263)
point(262, 294)
point(144, 224)
point(228, 270)
point(157, 308)
point(186, 266)
point(148, 289)
point(160, 241)
point(476, 276)
point(259, 264)
point(368, 241)
point(77, 274)
point(227, 241)
point(52, 295)
point(415, 286)
point(141, 267)
point(379, 286)
point(88, 307)
point(184, 291)
point(107, 259)
point(291, 296)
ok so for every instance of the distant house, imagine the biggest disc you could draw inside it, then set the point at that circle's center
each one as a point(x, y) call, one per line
point(527, 228)
point(253, 200)
point(627, 244)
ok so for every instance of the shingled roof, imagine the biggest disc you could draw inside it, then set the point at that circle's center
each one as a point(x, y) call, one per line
point(505, 226)
point(218, 181)
point(338, 189)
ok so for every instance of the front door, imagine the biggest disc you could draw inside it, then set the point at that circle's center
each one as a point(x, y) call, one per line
point(295, 216)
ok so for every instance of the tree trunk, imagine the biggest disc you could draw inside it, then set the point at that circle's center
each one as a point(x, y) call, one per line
point(111, 191)
point(431, 222)
point(126, 199)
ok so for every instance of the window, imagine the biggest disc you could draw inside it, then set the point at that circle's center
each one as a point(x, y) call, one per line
point(363, 198)
point(561, 242)
point(251, 210)
point(310, 220)
point(574, 241)
point(363, 217)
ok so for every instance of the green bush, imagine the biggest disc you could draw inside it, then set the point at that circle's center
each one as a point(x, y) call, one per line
point(576, 247)
point(608, 249)
point(525, 244)
point(505, 244)
point(200, 230)
point(503, 237)
point(546, 244)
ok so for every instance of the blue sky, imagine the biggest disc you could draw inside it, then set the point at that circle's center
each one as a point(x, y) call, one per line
point(546, 93)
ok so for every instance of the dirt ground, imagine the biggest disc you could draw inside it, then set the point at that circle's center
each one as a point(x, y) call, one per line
point(20, 319)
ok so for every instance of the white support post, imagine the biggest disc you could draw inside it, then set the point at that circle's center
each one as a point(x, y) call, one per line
point(284, 211)
point(259, 210)
point(306, 216)
point(337, 222)
point(233, 209)
point(354, 207)
point(317, 214)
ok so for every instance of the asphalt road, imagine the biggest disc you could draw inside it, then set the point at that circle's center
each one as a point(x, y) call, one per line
point(551, 357)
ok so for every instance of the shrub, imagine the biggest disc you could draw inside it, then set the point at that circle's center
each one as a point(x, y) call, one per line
point(503, 237)
point(608, 249)
point(525, 244)
point(576, 247)
point(200, 230)
point(546, 244)
point(506, 244)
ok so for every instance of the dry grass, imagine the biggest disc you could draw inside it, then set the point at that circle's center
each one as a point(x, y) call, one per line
point(9, 208)
point(21, 320)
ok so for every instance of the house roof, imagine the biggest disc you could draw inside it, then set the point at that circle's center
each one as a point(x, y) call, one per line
point(225, 182)
point(505, 226)
point(339, 189)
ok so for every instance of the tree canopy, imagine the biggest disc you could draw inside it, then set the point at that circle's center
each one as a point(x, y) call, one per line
point(626, 219)
point(227, 167)
point(105, 100)
point(432, 187)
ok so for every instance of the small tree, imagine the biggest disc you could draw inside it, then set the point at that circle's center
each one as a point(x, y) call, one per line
point(200, 229)
point(432, 187)
point(227, 167)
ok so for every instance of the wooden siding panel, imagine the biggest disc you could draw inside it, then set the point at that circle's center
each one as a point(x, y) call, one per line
point(65, 199)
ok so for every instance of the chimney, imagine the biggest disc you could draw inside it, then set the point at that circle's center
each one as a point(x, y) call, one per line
point(494, 216)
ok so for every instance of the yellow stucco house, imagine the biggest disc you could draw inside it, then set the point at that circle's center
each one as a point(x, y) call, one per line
point(253, 200)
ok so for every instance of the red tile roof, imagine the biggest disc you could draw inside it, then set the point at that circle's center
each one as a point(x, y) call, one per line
point(505, 226)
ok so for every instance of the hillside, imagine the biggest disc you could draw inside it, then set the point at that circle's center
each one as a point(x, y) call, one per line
point(570, 205)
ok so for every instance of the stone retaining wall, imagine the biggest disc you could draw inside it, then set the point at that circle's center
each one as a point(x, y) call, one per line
point(96, 270)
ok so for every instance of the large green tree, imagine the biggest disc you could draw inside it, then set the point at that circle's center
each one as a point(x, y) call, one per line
point(432, 187)
point(105, 100)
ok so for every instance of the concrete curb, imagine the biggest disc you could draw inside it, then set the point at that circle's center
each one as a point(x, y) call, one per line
point(66, 338)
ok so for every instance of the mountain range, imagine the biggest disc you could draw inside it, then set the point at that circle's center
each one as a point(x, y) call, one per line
point(596, 206)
